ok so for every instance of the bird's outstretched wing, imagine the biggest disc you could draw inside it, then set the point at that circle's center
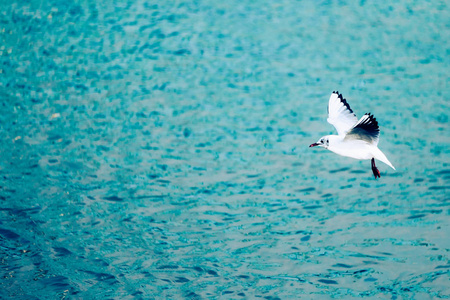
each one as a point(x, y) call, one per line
point(366, 129)
point(340, 115)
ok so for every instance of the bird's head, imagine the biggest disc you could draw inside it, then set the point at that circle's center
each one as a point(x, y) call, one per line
point(322, 142)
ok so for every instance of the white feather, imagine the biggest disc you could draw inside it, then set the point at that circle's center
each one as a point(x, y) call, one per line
point(339, 115)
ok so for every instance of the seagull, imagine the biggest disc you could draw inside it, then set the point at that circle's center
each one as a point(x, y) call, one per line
point(355, 139)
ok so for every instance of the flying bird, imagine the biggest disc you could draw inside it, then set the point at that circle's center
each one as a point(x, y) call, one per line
point(355, 139)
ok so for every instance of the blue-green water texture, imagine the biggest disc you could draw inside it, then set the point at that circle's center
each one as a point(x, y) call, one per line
point(159, 150)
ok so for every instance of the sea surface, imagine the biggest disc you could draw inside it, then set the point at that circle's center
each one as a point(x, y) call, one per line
point(159, 150)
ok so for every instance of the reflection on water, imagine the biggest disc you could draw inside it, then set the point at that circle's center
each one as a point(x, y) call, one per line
point(161, 150)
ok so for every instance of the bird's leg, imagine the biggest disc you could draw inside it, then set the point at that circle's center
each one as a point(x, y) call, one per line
point(375, 170)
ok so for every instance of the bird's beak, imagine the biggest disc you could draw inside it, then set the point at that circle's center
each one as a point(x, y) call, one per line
point(313, 145)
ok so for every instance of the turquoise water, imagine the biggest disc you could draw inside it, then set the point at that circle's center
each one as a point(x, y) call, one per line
point(159, 150)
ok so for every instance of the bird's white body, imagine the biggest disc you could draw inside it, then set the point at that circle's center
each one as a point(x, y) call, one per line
point(356, 149)
point(356, 138)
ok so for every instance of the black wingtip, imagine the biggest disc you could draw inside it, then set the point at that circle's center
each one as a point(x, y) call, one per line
point(371, 123)
point(371, 119)
point(344, 101)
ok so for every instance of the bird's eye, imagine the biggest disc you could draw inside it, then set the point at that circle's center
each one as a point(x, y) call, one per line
point(321, 141)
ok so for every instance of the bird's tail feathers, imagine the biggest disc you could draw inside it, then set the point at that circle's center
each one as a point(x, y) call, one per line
point(381, 157)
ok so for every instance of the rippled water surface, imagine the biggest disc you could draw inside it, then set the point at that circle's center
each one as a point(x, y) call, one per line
point(160, 150)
